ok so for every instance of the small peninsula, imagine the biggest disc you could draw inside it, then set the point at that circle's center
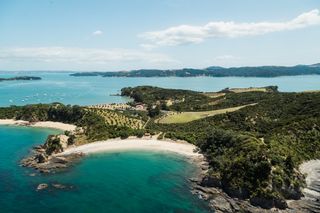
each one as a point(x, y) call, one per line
point(21, 78)
point(214, 71)
point(253, 139)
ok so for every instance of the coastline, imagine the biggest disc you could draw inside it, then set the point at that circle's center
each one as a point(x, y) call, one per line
point(40, 124)
point(133, 143)
point(201, 186)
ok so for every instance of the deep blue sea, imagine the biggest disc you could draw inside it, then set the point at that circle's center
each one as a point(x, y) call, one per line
point(114, 182)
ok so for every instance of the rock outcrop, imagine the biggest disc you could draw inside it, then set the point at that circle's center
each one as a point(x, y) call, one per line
point(42, 186)
point(209, 188)
point(43, 158)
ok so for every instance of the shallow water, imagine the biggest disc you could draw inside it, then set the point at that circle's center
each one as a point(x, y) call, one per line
point(115, 182)
point(60, 87)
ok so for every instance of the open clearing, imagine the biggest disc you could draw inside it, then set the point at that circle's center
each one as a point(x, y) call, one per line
point(185, 117)
point(251, 89)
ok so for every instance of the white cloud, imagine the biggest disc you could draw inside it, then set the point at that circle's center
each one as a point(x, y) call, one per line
point(185, 34)
point(97, 33)
point(77, 57)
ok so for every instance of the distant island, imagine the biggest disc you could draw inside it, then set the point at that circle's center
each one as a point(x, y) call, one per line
point(214, 71)
point(21, 78)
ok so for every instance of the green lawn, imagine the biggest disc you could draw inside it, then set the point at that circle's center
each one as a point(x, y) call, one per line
point(185, 117)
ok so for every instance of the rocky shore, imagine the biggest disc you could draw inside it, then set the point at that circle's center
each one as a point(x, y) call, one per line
point(43, 157)
point(209, 189)
point(44, 163)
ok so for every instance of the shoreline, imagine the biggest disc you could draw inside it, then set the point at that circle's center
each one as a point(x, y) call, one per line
point(311, 170)
point(133, 143)
point(310, 202)
point(40, 124)
point(203, 190)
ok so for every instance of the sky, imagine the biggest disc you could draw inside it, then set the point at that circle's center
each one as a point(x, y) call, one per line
point(113, 35)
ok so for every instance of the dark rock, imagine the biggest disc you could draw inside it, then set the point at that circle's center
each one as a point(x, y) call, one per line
point(292, 193)
point(262, 202)
point(41, 158)
point(209, 181)
point(237, 192)
point(280, 203)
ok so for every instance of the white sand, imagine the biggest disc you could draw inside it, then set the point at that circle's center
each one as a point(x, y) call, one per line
point(44, 124)
point(312, 171)
point(13, 122)
point(55, 125)
point(152, 144)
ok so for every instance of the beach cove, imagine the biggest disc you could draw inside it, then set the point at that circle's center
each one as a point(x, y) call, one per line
point(111, 178)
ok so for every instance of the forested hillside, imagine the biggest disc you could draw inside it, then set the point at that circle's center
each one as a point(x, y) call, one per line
point(254, 152)
point(263, 71)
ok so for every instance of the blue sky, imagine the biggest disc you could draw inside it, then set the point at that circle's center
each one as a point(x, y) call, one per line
point(134, 34)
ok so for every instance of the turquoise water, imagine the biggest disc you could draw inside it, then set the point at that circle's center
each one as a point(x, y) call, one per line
point(60, 87)
point(113, 182)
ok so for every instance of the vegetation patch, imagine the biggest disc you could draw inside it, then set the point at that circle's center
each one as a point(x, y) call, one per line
point(117, 118)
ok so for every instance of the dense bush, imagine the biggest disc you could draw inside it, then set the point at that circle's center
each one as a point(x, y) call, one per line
point(254, 151)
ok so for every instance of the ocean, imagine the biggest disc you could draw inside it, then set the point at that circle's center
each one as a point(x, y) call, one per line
point(61, 87)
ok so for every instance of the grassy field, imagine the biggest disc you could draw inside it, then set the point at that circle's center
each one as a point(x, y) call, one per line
point(185, 117)
point(252, 89)
point(236, 90)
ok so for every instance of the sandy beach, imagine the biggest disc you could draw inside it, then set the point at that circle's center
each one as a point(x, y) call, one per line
point(42, 124)
point(136, 144)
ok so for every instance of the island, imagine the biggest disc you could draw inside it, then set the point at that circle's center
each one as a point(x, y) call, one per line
point(214, 71)
point(21, 78)
point(253, 139)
